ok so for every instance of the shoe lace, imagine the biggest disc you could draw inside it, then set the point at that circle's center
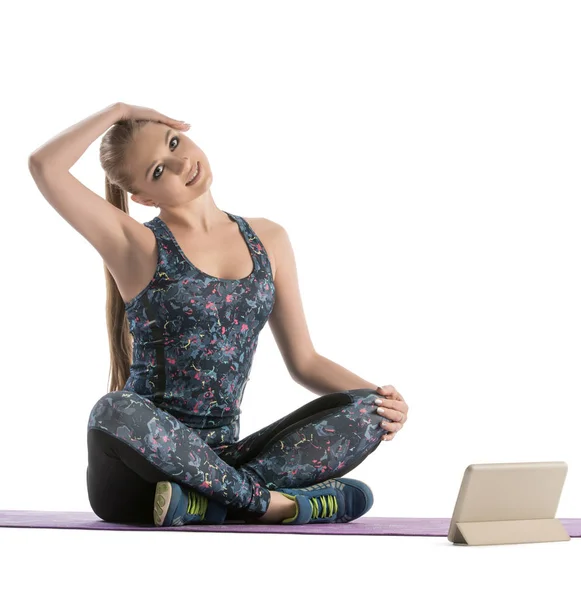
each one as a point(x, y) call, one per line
point(329, 506)
point(197, 504)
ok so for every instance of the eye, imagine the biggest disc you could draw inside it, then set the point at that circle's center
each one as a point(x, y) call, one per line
point(175, 137)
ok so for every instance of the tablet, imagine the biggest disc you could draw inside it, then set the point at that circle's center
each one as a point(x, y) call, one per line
point(509, 503)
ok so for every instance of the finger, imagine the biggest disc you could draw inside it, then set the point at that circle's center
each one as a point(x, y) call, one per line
point(398, 405)
point(393, 414)
point(390, 391)
point(395, 396)
point(391, 404)
point(390, 427)
point(179, 124)
point(386, 390)
point(172, 122)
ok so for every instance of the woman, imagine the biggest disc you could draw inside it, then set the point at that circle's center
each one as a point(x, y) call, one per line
point(188, 293)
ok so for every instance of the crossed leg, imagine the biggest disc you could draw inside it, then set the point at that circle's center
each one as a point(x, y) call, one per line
point(133, 444)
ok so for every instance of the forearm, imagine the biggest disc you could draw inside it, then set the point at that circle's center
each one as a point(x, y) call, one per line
point(323, 376)
point(65, 149)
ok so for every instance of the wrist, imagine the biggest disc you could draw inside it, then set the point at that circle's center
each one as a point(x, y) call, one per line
point(119, 109)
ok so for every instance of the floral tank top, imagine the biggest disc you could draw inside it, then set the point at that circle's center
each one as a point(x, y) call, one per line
point(195, 335)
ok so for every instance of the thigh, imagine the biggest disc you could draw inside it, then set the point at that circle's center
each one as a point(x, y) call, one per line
point(241, 452)
point(156, 446)
point(152, 433)
point(311, 445)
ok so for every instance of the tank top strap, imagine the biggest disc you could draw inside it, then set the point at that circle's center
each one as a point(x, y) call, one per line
point(255, 245)
point(168, 254)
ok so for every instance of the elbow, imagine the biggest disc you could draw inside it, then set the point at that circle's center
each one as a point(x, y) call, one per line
point(303, 367)
point(295, 376)
point(34, 163)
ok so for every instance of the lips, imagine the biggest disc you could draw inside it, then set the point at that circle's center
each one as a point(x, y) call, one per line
point(197, 166)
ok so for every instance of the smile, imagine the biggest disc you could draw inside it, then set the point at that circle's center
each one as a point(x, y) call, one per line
point(195, 176)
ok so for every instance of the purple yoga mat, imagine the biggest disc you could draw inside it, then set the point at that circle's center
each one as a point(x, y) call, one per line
point(361, 526)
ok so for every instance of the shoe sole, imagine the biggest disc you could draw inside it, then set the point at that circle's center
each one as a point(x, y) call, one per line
point(161, 502)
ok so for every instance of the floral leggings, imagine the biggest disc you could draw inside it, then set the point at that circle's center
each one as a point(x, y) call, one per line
point(133, 444)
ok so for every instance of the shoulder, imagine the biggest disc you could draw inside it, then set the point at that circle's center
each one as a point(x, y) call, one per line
point(273, 236)
point(267, 230)
point(263, 222)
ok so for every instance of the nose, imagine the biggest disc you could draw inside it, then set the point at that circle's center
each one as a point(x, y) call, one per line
point(184, 167)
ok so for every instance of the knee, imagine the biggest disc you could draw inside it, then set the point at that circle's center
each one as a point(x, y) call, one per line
point(364, 395)
point(102, 506)
point(364, 402)
point(113, 406)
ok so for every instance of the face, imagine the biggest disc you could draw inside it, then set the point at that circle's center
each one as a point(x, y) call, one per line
point(161, 160)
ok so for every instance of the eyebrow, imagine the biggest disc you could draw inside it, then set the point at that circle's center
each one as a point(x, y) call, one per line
point(153, 163)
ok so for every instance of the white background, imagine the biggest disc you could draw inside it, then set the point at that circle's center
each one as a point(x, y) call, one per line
point(424, 159)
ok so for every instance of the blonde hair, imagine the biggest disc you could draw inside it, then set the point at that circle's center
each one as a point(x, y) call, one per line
point(118, 184)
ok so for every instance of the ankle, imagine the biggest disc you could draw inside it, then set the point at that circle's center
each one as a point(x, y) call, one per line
point(279, 508)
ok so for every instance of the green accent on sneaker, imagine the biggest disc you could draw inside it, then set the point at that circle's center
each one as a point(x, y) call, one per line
point(197, 504)
point(328, 502)
point(161, 502)
point(291, 519)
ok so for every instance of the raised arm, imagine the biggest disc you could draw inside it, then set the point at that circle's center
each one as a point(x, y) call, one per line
point(105, 226)
point(65, 149)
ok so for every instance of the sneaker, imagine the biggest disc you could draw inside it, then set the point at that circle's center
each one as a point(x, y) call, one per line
point(175, 506)
point(332, 501)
